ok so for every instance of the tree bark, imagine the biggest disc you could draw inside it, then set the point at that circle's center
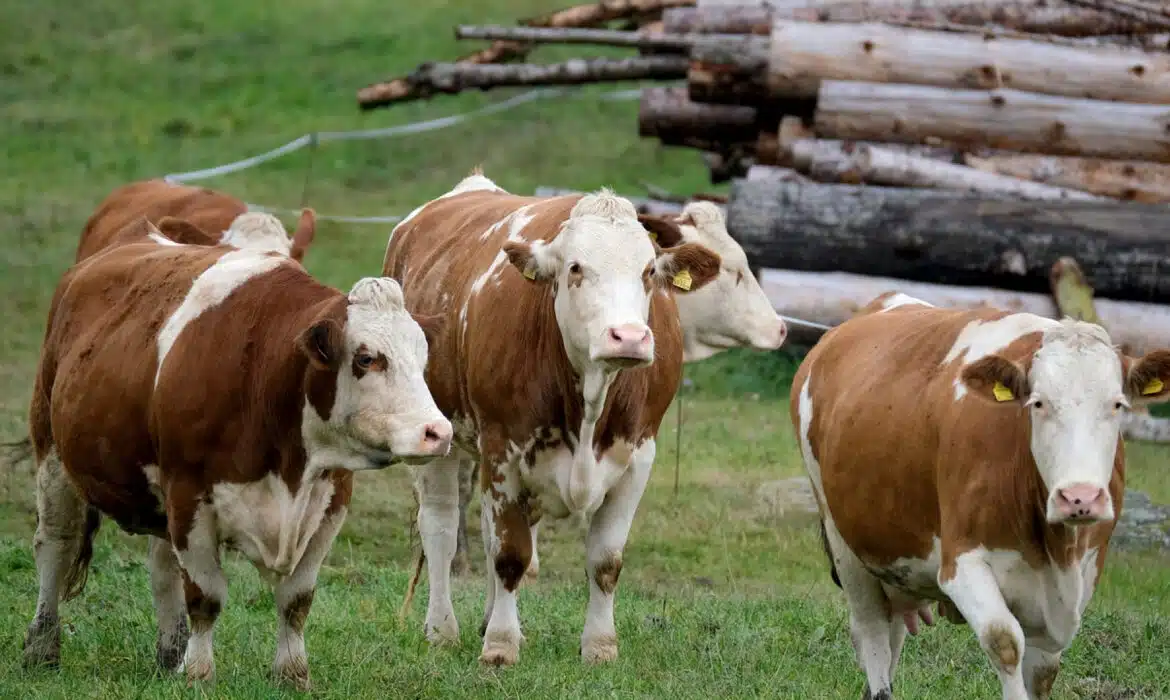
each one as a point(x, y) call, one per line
point(950, 237)
point(857, 163)
point(1136, 11)
point(452, 78)
point(669, 115)
point(805, 54)
point(572, 35)
point(1129, 180)
point(729, 69)
point(718, 20)
point(1002, 119)
point(724, 166)
point(831, 298)
point(402, 90)
point(594, 14)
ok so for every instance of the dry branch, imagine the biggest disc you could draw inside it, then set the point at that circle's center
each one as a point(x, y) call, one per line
point(1004, 119)
point(1130, 180)
point(402, 90)
point(451, 78)
point(1136, 11)
point(949, 237)
point(804, 54)
point(566, 35)
point(598, 13)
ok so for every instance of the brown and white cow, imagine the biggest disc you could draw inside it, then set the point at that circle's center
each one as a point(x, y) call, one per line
point(731, 311)
point(561, 353)
point(970, 457)
point(211, 397)
point(194, 211)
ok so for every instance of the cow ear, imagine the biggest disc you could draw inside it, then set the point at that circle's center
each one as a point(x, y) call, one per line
point(1147, 378)
point(303, 236)
point(537, 261)
point(185, 232)
point(665, 232)
point(432, 325)
point(687, 267)
point(997, 379)
point(324, 344)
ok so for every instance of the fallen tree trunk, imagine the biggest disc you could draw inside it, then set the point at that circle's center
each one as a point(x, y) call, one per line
point(567, 35)
point(1002, 119)
point(1129, 180)
point(948, 237)
point(452, 78)
point(600, 12)
point(669, 115)
point(402, 90)
point(1136, 11)
point(831, 298)
point(804, 54)
point(729, 69)
point(857, 163)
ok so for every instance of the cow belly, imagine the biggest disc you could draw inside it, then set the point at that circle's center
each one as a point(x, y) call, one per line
point(267, 522)
point(546, 476)
point(909, 580)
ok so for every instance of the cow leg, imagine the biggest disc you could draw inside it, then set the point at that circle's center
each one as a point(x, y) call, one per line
point(608, 530)
point(1039, 670)
point(170, 605)
point(438, 524)
point(897, 639)
point(294, 598)
point(204, 584)
point(534, 563)
point(508, 545)
point(58, 545)
point(975, 592)
point(461, 564)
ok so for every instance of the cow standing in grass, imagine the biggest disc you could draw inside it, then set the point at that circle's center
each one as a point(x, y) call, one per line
point(560, 354)
point(206, 396)
point(731, 311)
point(971, 457)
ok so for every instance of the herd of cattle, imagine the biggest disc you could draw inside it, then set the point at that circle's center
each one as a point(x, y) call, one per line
point(199, 386)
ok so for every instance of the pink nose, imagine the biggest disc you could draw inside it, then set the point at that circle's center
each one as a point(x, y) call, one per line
point(436, 438)
point(628, 340)
point(1082, 502)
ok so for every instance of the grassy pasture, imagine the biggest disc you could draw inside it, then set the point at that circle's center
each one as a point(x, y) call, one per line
point(723, 594)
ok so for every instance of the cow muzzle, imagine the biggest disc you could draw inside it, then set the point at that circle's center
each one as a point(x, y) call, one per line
point(1080, 503)
point(626, 345)
point(771, 337)
point(430, 440)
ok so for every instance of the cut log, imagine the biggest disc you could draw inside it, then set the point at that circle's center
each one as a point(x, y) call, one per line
point(1136, 11)
point(949, 237)
point(1002, 119)
point(831, 298)
point(1129, 180)
point(729, 69)
point(748, 19)
point(669, 115)
point(593, 14)
point(856, 163)
point(803, 54)
point(452, 78)
point(568, 35)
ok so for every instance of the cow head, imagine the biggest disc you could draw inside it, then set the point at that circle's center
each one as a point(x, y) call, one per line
point(260, 231)
point(733, 310)
point(603, 268)
point(1075, 387)
point(366, 388)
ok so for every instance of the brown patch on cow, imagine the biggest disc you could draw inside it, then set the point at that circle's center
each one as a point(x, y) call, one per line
point(202, 609)
point(432, 325)
point(185, 232)
point(667, 232)
point(323, 343)
point(1043, 679)
point(364, 361)
point(982, 375)
point(1002, 646)
point(1139, 372)
point(606, 574)
point(648, 278)
point(297, 610)
point(700, 262)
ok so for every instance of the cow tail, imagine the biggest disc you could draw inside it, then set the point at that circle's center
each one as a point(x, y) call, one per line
point(418, 567)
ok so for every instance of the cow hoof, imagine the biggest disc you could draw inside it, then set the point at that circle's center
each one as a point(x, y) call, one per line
point(42, 648)
point(168, 657)
point(499, 650)
point(599, 650)
point(199, 672)
point(444, 635)
point(294, 674)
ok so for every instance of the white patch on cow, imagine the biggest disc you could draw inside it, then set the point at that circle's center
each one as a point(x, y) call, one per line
point(732, 310)
point(437, 488)
point(257, 231)
point(549, 477)
point(210, 289)
point(200, 561)
point(497, 265)
point(909, 581)
point(519, 220)
point(473, 183)
point(978, 339)
point(268, 523)
point(162, 240)
point(902, 299)
point(491, 230)
point(154, 481)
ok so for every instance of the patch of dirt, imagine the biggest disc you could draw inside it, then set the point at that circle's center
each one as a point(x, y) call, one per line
point(792, 496)
point(1143, 523)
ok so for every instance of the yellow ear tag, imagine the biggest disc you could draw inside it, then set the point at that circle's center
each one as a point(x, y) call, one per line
point(653, 236)
point(682, 280)
point(1002, 393)
point(1152, 387)
point(529, 273)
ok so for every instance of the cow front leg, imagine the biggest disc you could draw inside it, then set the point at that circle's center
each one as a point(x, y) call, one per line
point(170, 604)
point(973, 589)
point(193, 533)
point(534, 563)
point(508, 545)
point(294, 598)
point(461, 564)
point(609, 528)
point(438, 522)
point(1040, 669)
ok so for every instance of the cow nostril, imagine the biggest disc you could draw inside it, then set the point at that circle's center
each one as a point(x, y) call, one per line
point(432, 436)
point(614, 335)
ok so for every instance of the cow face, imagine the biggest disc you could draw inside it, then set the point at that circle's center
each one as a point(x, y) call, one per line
point(733, 310)
point(381, 407)
point(1075, 392)
point(603, 268)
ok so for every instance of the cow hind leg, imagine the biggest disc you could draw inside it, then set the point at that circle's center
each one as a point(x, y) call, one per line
point(438, 524)
point(63, 547)
point(461, 564)
point(170, 605)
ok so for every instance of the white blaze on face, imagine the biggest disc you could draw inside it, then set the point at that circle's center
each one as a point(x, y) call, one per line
point(1076, 402)
point(731, 311)
point(257, 231)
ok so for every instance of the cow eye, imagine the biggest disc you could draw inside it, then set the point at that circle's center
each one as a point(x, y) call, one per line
point(574, 268)
point(1037, 404)
point(364, 360)
point(1119, 405)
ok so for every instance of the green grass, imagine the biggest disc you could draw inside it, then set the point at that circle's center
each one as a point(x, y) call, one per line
point(721, 596)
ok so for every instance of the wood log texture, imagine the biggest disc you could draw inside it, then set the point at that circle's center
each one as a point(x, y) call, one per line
point(1002, 119)
point(669, 115)
point(803, 54)
point(948, 237)
point(857, 163)
point(1129, 180)
point(831, 298)
point(567, 35)
point(1137, 11)
point(402, 90)
point(452, 78)
point(593, 14)
point(729, 69)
